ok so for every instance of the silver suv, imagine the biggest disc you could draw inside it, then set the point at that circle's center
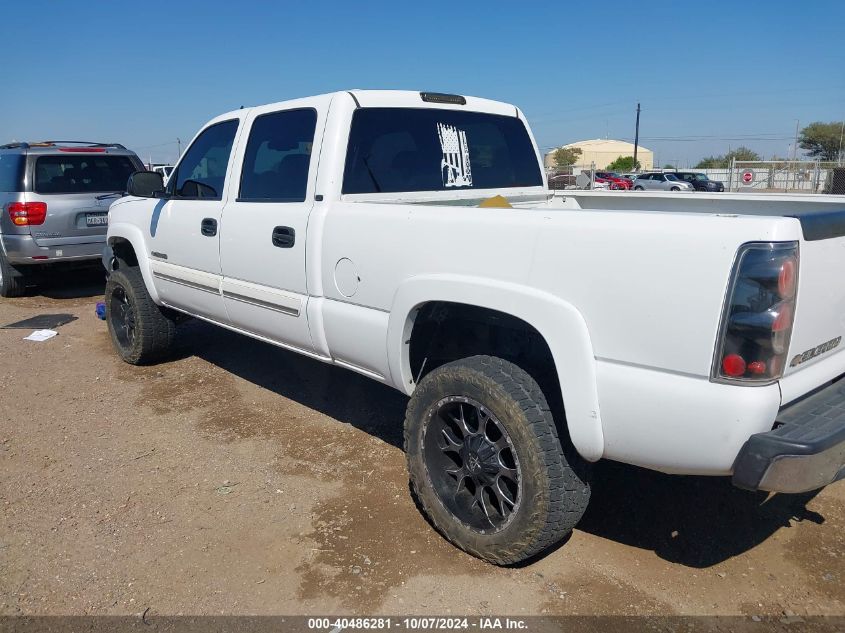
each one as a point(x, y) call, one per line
point(661, 182)
point(54, 202)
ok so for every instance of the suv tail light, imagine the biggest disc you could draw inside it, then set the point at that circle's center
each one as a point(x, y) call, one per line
point(27, 213)
point(757, 320)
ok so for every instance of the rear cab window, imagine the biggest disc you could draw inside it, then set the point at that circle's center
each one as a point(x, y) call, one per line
point(416, 149)
point(81, 173)
point(11, 171)
point(278, 155)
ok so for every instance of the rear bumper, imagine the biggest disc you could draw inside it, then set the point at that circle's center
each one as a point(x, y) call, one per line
point(804, 452)
point(22, 249)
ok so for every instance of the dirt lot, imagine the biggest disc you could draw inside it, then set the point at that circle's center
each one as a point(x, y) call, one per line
point(240, 478)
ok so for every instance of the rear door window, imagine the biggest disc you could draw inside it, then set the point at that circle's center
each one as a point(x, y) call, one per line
point(11, 171)
point(202, 171)
point(411, 149)
point(82, 173)
point(277, 157)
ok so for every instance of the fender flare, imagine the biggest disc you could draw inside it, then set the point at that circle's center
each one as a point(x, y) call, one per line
point(134, 235)
point(558, 322)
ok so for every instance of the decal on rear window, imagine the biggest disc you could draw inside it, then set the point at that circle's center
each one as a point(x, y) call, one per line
point(454, 165)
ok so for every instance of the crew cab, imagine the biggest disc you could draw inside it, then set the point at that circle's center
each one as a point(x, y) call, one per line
point(411, 237)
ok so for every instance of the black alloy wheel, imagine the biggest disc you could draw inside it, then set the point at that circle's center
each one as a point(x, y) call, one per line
point(472, 464)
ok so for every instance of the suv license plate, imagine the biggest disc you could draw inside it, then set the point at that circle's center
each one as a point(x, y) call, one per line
point(96, 219)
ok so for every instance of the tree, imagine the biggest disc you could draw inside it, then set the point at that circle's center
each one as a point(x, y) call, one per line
point(669, 166)
point(566, 156)
point(723, 162)
point(822, 140)
point(711, 162)
point(743, 154)
point(623, 163)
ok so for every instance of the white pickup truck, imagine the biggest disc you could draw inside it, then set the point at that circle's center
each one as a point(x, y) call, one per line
point(411, 237)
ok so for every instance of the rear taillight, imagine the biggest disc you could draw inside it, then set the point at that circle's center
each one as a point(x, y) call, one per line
point(758, 314)
point(27, 213)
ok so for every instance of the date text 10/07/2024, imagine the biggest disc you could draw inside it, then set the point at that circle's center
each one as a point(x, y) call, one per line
point(417, 623)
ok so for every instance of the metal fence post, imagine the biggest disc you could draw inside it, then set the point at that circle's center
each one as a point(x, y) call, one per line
point(731, 175)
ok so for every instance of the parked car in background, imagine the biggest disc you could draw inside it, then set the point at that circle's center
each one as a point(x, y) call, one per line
point(699, 181)
point(620, 181)
point(631, 177)
point(562, 181)
point(55, 197)
point(661, 182)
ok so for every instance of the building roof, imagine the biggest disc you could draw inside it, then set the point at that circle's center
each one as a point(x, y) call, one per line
point(606, 144)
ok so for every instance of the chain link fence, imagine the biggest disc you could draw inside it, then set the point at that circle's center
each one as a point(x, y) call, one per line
point(779, 176)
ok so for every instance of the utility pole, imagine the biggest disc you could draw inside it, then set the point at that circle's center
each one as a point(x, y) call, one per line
point(794, 155)
point(636, 137)
point(839, 155)
point(179, 146)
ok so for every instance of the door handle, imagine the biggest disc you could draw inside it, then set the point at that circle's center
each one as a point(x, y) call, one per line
point(208, 227)
point(284, 236)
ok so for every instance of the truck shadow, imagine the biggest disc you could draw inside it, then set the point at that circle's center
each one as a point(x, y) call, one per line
point(693, 521)
point(333, 391)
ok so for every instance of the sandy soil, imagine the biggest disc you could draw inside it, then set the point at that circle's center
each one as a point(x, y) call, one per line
point(240, 478)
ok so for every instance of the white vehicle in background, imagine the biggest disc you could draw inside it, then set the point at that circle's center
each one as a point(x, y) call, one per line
point(164, 170)
point(411, 237)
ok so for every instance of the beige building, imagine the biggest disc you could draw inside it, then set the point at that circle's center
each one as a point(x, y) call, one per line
point(602, 152)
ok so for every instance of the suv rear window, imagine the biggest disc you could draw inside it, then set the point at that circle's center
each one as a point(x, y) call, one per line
point(82, 174)
point(11, 172)
point(409, 149)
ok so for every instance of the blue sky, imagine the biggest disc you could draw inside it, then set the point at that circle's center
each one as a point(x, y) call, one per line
point(709, 75)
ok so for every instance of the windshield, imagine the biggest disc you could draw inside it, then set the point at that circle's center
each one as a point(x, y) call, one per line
point(82, 174)
point(411, 149)
point(701, 177)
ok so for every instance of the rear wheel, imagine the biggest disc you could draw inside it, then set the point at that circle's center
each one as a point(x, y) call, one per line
point(639, 188)
point(486, 463)
point(12, 282)
point(141, 331)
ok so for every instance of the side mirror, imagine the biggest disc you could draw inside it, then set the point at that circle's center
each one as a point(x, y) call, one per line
point(196, 189)
point(145, 184)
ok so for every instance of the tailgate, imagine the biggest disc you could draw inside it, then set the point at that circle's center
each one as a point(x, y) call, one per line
point(71, 219)
point(820, 307)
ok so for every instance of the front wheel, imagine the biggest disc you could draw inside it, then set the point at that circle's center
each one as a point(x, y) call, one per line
point(486, 462)
point(141, 331)
point(675, 189)
point(639, 188)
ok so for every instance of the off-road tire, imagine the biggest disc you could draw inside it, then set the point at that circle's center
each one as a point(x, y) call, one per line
point(555, 482)
point(12, 282)
point(154, 327)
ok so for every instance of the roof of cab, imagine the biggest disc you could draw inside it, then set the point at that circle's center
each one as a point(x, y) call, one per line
point(397, 99)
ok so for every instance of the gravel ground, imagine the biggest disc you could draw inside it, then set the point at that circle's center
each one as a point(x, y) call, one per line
point(242, 479)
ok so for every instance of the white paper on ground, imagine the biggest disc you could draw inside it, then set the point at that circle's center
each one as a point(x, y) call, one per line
point(40, 335)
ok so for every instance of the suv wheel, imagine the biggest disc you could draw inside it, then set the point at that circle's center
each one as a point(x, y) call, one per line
point(486, 463)
point(141, 331)
point(12, 282)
